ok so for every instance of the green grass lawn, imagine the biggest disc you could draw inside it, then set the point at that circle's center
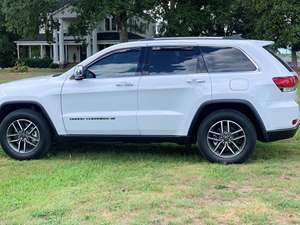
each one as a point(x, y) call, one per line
point(149, 184)
point(6, 75)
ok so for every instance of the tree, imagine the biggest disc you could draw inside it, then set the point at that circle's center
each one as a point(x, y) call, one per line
point(181, 17)
point(205, 18)
point(26, 17)
point(7, 47)
point(279, 20)
point(91, 12)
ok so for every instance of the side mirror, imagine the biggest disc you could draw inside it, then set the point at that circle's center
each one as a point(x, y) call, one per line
point(78, 73)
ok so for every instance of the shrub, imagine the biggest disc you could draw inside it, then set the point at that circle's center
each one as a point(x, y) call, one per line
point(54, 66)
point(37, 62)
point(19, 68)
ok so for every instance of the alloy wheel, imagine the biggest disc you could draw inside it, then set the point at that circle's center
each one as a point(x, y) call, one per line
point(226, 139)
point(23, 136)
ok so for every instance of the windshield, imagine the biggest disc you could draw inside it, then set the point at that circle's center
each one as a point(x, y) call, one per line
point(275, 54)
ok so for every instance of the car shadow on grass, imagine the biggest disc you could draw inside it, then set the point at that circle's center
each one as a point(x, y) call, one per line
point(165, 151)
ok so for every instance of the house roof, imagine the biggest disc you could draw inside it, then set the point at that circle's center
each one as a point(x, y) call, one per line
point(61, 5)
point(101, 36)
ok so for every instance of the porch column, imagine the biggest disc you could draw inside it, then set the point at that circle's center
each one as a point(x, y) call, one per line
point(55, 47)
point(67, 54)
point(18, 51)
point(29, 51)
point(61, 43)
point(88, 47)
point(42, 53)
point(95, 45)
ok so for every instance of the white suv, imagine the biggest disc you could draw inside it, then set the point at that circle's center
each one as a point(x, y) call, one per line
point(220, 93)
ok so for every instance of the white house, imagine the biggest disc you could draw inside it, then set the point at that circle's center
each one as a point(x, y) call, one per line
point(69, 49)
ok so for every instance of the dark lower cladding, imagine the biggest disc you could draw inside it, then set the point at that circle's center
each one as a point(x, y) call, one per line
point(124, 138)
point(268, 137)
point(280, 134)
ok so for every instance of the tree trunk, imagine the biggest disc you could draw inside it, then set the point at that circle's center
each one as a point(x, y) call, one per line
point(122, 27)
point(172, 22)
point(294, 57)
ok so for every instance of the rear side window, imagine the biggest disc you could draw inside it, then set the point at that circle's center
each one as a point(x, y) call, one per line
point(272, 52)
point(175, 60)
point(226, 59)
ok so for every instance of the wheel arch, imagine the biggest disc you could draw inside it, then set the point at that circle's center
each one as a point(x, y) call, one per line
point(242, 106)
point(9, 107)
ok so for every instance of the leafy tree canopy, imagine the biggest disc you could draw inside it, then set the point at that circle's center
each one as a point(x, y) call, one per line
point(7, 46)
point(26, 17)
point(205, 18)
point(279, 20)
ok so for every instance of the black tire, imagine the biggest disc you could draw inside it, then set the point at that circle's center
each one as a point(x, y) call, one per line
point(41, 147)
point(205, 145)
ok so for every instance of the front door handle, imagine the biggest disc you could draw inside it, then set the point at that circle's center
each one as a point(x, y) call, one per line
point(195, 81)
point(124, 84)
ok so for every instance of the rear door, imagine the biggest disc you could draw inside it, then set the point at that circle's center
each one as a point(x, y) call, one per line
point(174, 84)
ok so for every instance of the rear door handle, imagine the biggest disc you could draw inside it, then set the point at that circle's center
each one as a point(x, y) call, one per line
point(195, 81)
point(124, 84)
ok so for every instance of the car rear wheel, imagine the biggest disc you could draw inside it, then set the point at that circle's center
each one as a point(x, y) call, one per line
point(226, 136)
point(24, 134)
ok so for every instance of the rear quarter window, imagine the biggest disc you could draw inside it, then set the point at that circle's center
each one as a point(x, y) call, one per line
point(226, 59)
point(273, 53)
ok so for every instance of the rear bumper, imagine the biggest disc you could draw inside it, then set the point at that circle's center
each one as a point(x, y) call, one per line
point(280, 134)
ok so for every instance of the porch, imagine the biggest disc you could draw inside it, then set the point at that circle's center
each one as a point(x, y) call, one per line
point(71, 50)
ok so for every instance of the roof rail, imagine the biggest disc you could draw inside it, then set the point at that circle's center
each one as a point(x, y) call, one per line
point(233, 37)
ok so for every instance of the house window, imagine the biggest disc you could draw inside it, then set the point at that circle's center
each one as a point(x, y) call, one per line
point(107, 24)
point(110, 24)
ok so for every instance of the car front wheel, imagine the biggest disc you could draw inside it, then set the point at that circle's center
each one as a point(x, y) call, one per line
point(24, 134)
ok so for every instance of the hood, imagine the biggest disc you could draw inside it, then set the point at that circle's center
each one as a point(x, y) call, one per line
point(27, 81)
point(30, 86)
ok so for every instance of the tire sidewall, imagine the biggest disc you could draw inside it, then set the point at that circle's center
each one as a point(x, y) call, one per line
point(45, 138)
point(237, 117)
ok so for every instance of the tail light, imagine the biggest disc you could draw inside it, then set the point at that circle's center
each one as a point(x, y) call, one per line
point(286, 84)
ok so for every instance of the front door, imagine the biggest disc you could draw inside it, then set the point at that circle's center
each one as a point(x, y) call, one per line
point(105, 101)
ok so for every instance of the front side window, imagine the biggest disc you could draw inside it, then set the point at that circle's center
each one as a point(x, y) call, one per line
point(119, 64)
point(226, 59)
point(175, 60)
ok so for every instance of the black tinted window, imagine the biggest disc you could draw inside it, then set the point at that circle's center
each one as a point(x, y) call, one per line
point(226, 60)
point(175, 60)
point(119, 64)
